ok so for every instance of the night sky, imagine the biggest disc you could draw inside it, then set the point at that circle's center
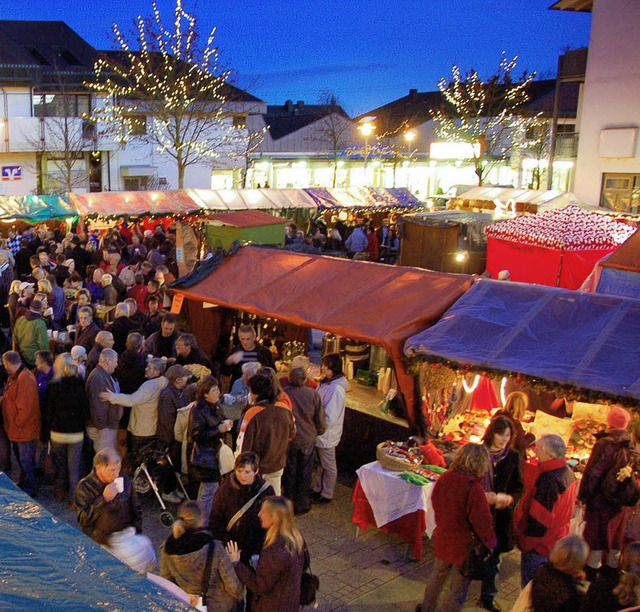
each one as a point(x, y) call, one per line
point(369, 52)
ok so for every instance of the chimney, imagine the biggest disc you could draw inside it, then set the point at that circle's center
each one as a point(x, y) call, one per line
point(288, 106)
point(300, 103)
point(413, 94)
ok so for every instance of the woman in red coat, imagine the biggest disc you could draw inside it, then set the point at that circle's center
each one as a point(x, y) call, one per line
point(460, 506)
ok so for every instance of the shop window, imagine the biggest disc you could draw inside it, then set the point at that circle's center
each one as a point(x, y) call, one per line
point(139, 125)
point(621, 192)
point(136, 183)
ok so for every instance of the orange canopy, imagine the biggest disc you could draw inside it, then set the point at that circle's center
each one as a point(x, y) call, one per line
point(357, 299)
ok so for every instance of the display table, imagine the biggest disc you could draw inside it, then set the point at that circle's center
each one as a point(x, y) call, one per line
point(383, 500)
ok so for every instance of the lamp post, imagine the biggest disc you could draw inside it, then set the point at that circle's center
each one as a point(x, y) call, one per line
point(366, 129)
point(409, 137)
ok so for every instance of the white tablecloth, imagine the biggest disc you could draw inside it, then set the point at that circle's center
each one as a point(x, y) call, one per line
point(391, 497)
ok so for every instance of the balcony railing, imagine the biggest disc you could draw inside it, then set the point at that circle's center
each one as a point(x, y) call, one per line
point(566, 146)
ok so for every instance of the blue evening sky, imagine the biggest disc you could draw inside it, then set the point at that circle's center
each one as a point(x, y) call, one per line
point(369, 52)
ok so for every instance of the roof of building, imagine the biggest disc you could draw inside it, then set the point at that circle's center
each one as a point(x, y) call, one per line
point(415, 108)
point(51, 46)
point(584, 6)
point(289, 118)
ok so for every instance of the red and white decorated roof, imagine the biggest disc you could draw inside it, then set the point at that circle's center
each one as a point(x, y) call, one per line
point(570, 228)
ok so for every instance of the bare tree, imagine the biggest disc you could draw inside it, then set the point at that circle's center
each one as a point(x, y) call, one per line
point(483, 114)
point(332, 131)
point(534, 142)
point(166, 89)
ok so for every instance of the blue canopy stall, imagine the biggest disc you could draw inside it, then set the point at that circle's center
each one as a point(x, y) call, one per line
point(48, 565)
point(578, 344)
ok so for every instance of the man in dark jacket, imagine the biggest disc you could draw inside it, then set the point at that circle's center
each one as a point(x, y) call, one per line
point(247, 350)
point(121, 327)
point(86, 330)
point(107, 507)
point(310, 423)
point(105, 417)
point(546, 508)
point(162, 343)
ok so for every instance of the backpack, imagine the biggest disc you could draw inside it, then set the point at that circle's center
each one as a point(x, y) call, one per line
point(623, 492)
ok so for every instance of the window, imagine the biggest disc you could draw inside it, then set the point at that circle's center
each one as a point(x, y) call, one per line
point(138, 125)
point(71, 59)
point(239, 122)
point(136, 183)
point(621, 192)
point(61, 105)
point(88, 129)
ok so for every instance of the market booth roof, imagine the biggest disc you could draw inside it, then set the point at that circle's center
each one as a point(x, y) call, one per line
point(251, 199)
point(47, 564)
point(524, 200)
point(363, 198)
point(135, 203)
point(555, 247)
point(361, 300)
point(34, 209)
point(586, 341)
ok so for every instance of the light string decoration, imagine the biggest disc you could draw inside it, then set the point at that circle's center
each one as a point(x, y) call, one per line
point(169, 92)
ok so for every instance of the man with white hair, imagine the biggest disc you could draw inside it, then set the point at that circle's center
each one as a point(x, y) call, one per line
point(105, 416)
point(104, 339)
point(109, 292)
point(547, 507)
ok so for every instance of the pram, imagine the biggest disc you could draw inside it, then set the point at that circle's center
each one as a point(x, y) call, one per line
point(156, 470)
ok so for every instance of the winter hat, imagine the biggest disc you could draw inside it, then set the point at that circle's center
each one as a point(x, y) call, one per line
point(618, 418)
point(78, 352)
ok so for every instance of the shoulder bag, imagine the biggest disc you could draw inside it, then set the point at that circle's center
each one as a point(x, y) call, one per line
point(238, 515)
point(201, 604)
point(473, 566)
point(310, 583)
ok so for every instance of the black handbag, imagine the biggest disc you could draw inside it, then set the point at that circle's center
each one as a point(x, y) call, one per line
point(310, 583)
point(473, 566)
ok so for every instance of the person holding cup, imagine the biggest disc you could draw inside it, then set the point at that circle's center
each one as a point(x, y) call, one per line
point(108, 511)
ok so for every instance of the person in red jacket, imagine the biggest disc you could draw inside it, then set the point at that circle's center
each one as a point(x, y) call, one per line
point(460, 508)
point(21, 410)
point(546, 508)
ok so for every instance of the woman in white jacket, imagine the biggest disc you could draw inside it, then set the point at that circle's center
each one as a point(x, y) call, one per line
point(333, 391)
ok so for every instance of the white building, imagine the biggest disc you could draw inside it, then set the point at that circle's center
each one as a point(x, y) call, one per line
point(47, 144)
point(608, 168)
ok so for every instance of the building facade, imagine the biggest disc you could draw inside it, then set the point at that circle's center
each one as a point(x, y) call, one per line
point(608, 169)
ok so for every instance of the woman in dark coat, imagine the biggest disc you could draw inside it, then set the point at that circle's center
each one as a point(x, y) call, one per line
point(461, 509)
point(503, 486)
point(275, 582)
point(65, 412)
point(183, 559)
point(207, 426)
point(236, 489)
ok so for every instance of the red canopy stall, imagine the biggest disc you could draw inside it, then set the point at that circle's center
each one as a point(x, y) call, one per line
point(356, 299)
point(558, 248)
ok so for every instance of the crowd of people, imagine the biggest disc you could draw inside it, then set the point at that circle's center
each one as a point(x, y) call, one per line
point(358, 240)
point(578, 538)
point(85, 401)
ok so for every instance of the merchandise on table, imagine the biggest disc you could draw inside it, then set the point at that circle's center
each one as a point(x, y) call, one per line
point(400, 456)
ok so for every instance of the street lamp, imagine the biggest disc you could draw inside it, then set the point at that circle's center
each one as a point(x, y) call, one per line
point(409, 136)
point(366, 128)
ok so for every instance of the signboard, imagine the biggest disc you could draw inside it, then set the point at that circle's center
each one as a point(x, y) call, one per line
point(11, 173)
point(176, 304)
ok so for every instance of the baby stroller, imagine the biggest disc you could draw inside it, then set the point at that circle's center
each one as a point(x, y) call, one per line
point(155, 473)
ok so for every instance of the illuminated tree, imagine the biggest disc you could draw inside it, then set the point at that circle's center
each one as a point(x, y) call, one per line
point(167, 90)
point(483, 114)
point(533, 142)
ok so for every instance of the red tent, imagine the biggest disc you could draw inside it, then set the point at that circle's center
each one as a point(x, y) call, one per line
point(558, 248)
point(357, 299)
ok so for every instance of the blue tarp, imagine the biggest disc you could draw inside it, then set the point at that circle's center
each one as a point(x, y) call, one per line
point(585, 340)
point(48, 565)
point(34, 209)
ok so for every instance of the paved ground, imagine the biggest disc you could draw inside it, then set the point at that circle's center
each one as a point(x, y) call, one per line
point(356, 574)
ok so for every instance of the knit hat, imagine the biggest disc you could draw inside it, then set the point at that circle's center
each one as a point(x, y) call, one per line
point(618, 418)
point(78, 352)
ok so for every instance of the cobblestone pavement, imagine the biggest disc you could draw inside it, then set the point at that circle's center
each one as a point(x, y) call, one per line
point(370, 572)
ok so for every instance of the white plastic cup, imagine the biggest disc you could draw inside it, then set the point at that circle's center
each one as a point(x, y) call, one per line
point(229, 399)
point(55, 334)
point(119, 482)
point(48, 333)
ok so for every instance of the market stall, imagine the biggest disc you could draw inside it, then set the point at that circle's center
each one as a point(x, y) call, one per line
point(446, 241)
point(362, 301)
point(619, 272)
point(256, 226)
point(558, 248)
point(516, 201)
point(46, 564)
point(35, 209)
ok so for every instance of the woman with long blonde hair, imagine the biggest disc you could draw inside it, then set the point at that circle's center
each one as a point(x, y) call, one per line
point(275, 582)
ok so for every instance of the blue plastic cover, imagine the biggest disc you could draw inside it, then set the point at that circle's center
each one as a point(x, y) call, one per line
point(48, 565)
point(587, 340)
